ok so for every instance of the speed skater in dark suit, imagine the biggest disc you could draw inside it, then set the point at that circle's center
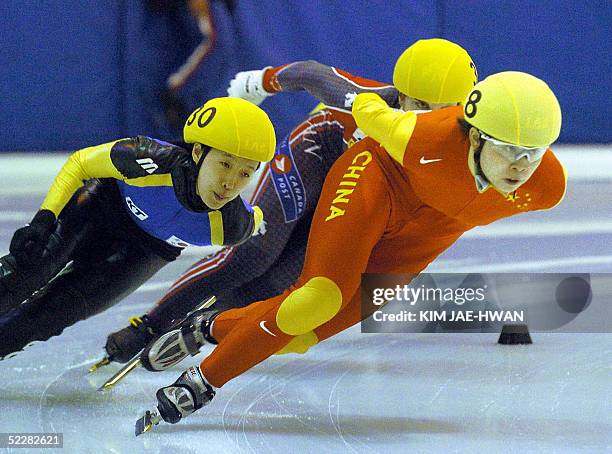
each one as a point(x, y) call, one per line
point(429, 74)
point(118, 212)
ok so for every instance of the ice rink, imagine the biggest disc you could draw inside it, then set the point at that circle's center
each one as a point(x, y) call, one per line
point(362, 393)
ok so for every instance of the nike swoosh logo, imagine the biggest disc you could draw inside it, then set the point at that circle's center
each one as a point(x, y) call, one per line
point(262, 325)
point(427, 161)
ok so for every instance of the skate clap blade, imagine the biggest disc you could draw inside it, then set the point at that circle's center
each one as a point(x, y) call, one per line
point(135, 361)
point(146, 423)
point(103, 362)
point(129, 367)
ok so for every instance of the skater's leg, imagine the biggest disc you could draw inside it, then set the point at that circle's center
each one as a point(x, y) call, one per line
point(280, 246)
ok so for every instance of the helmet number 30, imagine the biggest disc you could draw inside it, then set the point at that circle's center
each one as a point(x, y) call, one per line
point(204, 116)
point(470, 105)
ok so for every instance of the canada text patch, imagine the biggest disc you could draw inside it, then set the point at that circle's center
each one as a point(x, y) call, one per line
point(287, 182)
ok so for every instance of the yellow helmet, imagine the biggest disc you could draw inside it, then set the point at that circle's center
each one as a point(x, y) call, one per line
point(232, 125)
point(435, 71)
point(514, 107)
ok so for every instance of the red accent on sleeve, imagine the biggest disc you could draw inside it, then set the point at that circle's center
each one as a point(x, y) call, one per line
point(270, 79)
point(360, 80)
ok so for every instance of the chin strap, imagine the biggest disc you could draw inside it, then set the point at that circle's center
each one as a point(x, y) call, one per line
point(482, 182)
point(185, 179)
point(205, 151)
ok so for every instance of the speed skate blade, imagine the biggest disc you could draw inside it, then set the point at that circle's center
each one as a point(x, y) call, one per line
point(129, 367)
point(135, 361)
point(146, 423)
point(103, 362)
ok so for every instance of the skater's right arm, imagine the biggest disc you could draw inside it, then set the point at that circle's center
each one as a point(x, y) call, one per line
point(29, 241)
point(125, 159)
point(389, 127)
point(333, 86)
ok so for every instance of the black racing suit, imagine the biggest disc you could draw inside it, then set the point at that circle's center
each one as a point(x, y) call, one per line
point(102, 235)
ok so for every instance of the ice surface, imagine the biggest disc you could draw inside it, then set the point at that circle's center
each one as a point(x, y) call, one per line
point(357, 392)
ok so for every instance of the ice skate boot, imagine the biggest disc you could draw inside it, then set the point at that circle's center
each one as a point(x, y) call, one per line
point(175, 345)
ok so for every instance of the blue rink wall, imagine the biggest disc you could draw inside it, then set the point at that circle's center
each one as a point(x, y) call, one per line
point(75, 73)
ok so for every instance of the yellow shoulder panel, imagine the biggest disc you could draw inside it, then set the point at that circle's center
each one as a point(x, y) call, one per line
point(389, 127)
point(91, 162)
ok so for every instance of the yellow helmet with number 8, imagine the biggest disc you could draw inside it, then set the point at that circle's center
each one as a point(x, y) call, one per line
point(516, 108)
point(233, 125)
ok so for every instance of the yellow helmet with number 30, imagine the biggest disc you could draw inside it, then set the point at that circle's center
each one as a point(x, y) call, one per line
point(516, 108)
point(232, 125)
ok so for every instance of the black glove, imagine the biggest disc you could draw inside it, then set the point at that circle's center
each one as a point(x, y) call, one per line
point(123, 345)
point(29, 242)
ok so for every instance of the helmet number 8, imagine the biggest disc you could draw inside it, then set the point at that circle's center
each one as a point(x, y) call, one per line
point(470, 106)
point(201, 120)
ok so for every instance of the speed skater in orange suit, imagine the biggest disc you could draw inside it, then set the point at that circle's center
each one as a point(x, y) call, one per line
point(390, 204)
point(429, 74)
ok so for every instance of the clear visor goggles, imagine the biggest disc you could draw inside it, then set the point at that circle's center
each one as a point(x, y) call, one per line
point(515, 152)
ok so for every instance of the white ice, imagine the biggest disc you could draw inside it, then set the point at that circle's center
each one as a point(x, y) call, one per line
point(356, 392)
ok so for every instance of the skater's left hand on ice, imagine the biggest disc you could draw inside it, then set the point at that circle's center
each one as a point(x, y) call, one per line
point(187, 394)
point(29, 242)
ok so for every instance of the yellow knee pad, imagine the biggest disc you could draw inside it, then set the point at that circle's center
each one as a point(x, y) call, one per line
point(308, 307)
point(300, 344)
